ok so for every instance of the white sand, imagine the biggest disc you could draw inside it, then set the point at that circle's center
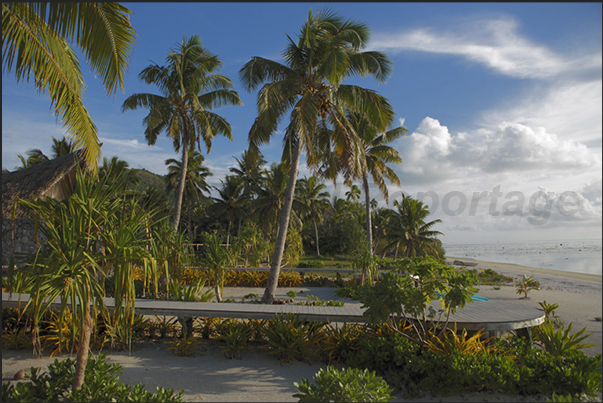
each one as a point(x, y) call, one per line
point(210, 377)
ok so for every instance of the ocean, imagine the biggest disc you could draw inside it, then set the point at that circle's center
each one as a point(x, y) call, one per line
point(578, 256)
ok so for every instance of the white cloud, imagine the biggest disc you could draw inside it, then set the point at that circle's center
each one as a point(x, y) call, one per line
point(494, 43)
point(432, 154)
point(130, 144)
point(570, 109)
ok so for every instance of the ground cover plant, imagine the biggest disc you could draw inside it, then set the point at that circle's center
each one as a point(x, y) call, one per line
point(345, 385)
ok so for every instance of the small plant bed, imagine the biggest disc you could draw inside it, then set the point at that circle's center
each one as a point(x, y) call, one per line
point(491, 277)
point(312, 300)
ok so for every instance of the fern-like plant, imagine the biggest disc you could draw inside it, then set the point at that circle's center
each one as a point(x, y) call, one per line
point(235, 336)
point(560, 342)
point(16, 339)
point(450, 341)
point(184, 346)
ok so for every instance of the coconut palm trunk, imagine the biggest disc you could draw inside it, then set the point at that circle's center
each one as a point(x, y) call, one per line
point(275, 266)
point(181, 182)
point(316, 235)
point(83, 348)
point(367, 202)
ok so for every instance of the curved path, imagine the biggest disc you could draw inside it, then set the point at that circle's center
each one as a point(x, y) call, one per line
point(493, 316)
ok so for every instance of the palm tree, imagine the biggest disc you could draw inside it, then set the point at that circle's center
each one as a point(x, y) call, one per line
point(353, 195)
point(377, 154)
point(37, 156)
point(190, 88)
point(34, 156)
point(309, 87)
point(409, 229)
point(313, 201)
point(231, 202)
point(61, 147)
point(195, 181)
point(35, 40)
point(271, 198)
point(250, 171)
point(117, 170)
point(217, 259)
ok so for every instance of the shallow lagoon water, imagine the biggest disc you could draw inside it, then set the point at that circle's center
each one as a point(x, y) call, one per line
point(578, 256)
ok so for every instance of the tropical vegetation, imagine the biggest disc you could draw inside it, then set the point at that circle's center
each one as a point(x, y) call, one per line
point(309, 88)
point(37, 43)
point(112, 237)
point(190, 88)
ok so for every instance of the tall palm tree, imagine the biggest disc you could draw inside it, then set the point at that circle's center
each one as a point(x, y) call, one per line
point(353, 195)
point(376, 155)
point(313, 201)
point(230, 204)
point(271, 198)
point(195, 181)
point(409, 229)
point(250, 171)
point(35, 42)
point(309, 88)
point(190, 88)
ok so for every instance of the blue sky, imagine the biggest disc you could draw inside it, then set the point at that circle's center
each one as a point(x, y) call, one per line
point(502, 102)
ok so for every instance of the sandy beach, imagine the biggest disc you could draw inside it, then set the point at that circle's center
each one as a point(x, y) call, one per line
point(210, 377)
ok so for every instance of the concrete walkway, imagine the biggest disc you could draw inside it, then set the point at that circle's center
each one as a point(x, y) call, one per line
point(493, 317)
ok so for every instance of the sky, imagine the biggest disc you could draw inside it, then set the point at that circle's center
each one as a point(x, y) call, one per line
point(502, 102)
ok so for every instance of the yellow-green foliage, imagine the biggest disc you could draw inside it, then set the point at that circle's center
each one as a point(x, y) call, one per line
point(241, 278)
point(61, 335)
point(340, 342)
point(184, 346)
point(16, 339)
point(450, 341)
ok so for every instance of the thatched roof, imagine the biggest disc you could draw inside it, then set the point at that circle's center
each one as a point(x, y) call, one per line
point(36, 181)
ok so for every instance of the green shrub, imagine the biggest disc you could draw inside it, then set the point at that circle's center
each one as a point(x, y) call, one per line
point(290, 339)
point(101, 384)
point(559, 342)
point(340, 342)
point(184, 346)
point(310, 264)
point(491, 277)
point(16, 339)
point(512, 367)
point(235, 336)
point(574, 374)
point(346, 385)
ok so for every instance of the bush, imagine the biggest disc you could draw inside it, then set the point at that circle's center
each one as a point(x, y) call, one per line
point(290, 339)
point(101, 384)
point(310, 264)
point(346, 385)
point(235, 336)
point(512, 368)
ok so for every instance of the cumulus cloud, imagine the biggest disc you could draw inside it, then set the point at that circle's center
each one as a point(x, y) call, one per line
point(572, 109)
point(494, 43)
point(432, 154)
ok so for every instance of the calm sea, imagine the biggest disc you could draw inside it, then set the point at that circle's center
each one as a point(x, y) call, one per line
point(579, 256)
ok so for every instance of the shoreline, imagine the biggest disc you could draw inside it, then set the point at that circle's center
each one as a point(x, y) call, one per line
point(517, 269)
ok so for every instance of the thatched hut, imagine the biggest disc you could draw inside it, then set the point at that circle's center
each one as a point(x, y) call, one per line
point(54, 178)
